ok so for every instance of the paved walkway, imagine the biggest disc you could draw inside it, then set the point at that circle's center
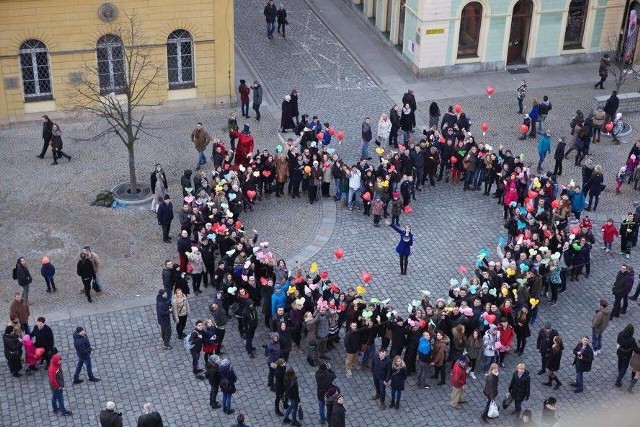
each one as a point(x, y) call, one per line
point(45, 210)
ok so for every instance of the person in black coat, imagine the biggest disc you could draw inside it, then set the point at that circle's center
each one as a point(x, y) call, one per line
point(626, 346)
point(165, 217)
point(544, 343)
point(409, 98)
point(394, 118)
point(270, 14)
point(282, 19)
point(324, 380)
point(42, 336)
point(594, 185)
point(553, 362)
point(153, 179)
point(163, 311)
point(520, 387)
point(611, 106)
point(381, 370)
point(12, 351)
point(109, 417)
point(250, 324)
point(214, 380)
point(286, 117)
point(85, 270)
point(195, 338)
point(149, 417)
point(338, 415)
point(558, 156)
point(278, 381)
point(47, 128)
point(583, 358)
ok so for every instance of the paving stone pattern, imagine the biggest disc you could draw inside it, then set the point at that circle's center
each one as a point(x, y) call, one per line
point(45, 210)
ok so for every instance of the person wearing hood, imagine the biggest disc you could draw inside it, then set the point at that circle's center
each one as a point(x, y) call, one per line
point(185, 181)
point(626, 347)
point(56, 382)
point(163, 310)
point(404, 246)
point(458, 382)
point(279, 297)
point(520, 387)
point(599, 323)
point(56, 144)
point(83, 351)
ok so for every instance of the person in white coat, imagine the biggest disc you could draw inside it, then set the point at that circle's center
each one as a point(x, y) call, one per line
point(384, 130)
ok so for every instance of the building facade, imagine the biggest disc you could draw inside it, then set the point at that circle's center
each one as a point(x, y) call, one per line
point(46, 46)
point(449, 36)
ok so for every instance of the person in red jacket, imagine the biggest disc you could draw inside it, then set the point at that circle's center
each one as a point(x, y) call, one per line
point(244, 148)
point(458, 382)
point(506, 333)
point(56, 381)
point(609, 232)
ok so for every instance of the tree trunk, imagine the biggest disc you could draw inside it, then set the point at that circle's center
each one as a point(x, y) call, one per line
point(133, 183)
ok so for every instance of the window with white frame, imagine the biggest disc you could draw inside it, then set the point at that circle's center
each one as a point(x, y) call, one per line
point(36, 75)
point(111, 67)
point(180, 59)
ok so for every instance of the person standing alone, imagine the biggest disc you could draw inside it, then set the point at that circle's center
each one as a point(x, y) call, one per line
point(201, 139)
point(244, 90)
point(521, 93)
point(257, 98)
point(270, 13)
point(56, 382)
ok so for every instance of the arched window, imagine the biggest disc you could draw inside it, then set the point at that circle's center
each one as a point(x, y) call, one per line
point(576, 19)
point(180, 59)
point(111, 69)
point(34, 65)
point(469, 38)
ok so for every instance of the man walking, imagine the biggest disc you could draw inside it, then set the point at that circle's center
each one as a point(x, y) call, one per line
point(163, 310)
point(257, 98)
point(599, 324)
point(56, 382)
point(165, 217)
point(83, 350)
point(149, 417)
point(458, 382)
point(270, 13)
point(47, 133)
point(603, 71)
point(619, 290)
point(244, 90)
point(200, 139)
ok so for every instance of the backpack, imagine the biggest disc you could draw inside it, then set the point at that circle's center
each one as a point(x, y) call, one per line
point(186, 342)
point(225, 384)
point(14, 274)
point(104, 198)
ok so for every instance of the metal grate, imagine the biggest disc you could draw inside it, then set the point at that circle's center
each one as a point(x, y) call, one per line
point(34, 65)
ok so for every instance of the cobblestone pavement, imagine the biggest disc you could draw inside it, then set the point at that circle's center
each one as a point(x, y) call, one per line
point(45, 210)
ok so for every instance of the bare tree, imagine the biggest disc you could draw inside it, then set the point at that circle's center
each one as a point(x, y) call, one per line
point(120, 108)
point(619, 69)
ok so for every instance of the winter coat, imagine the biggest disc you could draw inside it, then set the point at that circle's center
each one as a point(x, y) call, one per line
point(110, 418)
point(270, 12)
point(490, 390)
point(351, 342)
point(381, 368)
point(180, 307)
point(406, 241)
point(338, 415)
point(24, 277)
point(85, 269)
point(583, 364)
point(165, 213)
point(20, 309)
point(56, 377)
point(163, 310)
point(601, 319)
point(324, 380)
point(29, 351)
point(609, 232)
point(200, 139)
point(473, 347)
point(634, 363)
point(520, 386)
point(226, 372)
point(195, 259)
point(440, 351)
point(594, 184)
point(459, 375)
point(620, 285)
point(47, 270)
point(559, 153)
point(43, 338)
point(398, 378)
point(82, 345)
point(384, 128)
point(626, 346)
point(555, 355)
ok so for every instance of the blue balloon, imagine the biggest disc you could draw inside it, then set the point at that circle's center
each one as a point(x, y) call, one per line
point(521, 225)
point(501, 241)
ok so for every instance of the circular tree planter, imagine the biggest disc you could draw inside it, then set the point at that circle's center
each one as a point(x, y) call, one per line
point(626, 131)
point(142, 194)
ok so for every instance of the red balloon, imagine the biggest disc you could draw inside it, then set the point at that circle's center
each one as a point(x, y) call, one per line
point(238, 225)
point(575, 230)
point(251, 194)
point(39, 352)
point(408, 209)
point(441, 139)
point(554, 204)
point(608, 127)
point(338, 253)
point(266, 173)
point(340, 135)
point(319, 136)
point(490, 90)
point(524, 129)
point(332, 131)
point(366, 277)
point(324, 275)
point(457, 108)
point(529, 208)
point(532, 194)
point(454, 160)
point(484, 127)
point(366, 196)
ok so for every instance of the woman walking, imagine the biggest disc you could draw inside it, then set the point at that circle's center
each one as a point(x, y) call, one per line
point(397, 380)
point(520, 387)
point(293, 396)
point(404, 246)
point(490, 389)
point(553, 362)
point(85, 270)
point(56, 144)
point(180, 311)
point(626, 347)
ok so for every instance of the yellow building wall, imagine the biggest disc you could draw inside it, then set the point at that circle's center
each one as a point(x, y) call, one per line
point(71, 28)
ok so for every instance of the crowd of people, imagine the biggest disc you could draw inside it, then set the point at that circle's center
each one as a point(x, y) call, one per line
point(547, 243)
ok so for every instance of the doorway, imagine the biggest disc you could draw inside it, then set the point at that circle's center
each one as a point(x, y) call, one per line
point(403, 6)
point(519, 32)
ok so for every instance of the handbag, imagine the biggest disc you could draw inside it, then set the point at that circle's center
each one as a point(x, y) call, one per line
point(300, 412)
point(493, 410)
point(507, 401)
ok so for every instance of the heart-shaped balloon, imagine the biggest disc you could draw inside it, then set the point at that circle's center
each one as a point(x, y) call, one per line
point(232, 197)
point(491, 318)
point(266, 173)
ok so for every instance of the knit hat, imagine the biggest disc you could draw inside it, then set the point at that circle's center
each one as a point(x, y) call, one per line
point(79, 329)
point(167, 197)
point(161, 291)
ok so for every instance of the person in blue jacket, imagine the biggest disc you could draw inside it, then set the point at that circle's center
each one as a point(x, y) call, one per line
point(544, 148)
point(279, 297)
point(404, 246)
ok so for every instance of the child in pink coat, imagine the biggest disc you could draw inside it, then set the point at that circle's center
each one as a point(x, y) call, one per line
point(30, 353)
point(609, 232)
